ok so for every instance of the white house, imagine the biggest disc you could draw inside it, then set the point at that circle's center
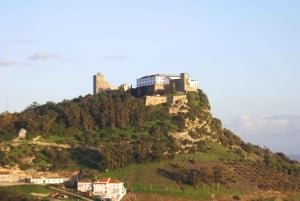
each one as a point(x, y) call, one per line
point(5, 176)
point(109, 188)
point(85, 185)
point(43, 180)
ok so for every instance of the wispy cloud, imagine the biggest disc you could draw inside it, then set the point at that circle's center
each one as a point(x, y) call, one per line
point(116, 57)
point(283, 116)
point(277, 124)
point(44, 55)
point(278, 132)
point(12, 63)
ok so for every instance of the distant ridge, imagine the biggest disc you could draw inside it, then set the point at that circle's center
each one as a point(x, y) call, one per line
point(295, 157)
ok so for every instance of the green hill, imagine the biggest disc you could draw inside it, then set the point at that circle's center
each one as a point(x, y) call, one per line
point(176, 148)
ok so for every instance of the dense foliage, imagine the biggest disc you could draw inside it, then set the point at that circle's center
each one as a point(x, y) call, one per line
point(116, 129)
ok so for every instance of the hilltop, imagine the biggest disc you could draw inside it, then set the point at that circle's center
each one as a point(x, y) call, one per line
point(176, 148)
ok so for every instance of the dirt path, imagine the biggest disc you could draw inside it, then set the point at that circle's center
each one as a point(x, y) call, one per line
point(69, 193)
point(65, 146)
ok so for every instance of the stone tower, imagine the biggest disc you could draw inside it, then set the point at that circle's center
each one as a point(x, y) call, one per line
point(99, 84)
point(184, 82)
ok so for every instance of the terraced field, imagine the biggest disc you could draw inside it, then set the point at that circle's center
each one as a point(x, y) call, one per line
point(251, 176)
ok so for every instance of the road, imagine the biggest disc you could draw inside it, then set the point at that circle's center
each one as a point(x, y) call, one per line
point(69, 193)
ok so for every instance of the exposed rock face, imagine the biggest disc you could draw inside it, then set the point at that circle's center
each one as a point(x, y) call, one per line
point(22, 133)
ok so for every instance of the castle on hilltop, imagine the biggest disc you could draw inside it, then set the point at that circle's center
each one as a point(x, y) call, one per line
point(150, 84)
point(100, 85)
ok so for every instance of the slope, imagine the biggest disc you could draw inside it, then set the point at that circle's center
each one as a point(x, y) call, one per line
point(184, 153)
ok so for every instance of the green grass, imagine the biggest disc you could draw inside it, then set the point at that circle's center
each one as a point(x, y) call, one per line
point(215, 153)
point(144, 178)
point(26, 189)
point(58, 139)
point(218, 152)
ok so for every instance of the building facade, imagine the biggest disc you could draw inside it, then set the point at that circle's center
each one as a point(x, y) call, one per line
point(43, 180)
point(106, 188)
point(151, 80)
point(5, 176)
point(152, 84)
point(85, 185)
point(109, 188)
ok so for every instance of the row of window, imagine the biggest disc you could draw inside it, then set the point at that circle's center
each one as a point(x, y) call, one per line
point(151, 81)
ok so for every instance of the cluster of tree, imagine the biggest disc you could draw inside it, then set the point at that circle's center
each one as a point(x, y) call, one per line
point(91, 114)
point(204, 175)
point(83, 114)
point(115, 129)
point(121, 128)
point(108, 155)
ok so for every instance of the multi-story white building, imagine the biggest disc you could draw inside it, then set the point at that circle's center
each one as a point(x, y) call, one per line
point(151, 80)
point(85, 185)
point(107, 188)
point(181, 82)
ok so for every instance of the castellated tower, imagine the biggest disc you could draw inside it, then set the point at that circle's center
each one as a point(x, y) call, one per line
point(184, 77)
point(186, 83)
point(99, 84)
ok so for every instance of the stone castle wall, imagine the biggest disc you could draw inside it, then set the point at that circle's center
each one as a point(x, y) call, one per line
point(100, 84)
point(181, 98)
point(183, 84)
point(156, 100)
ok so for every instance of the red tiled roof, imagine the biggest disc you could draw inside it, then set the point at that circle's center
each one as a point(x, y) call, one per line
point(108, 180)
point(4, 172)
point(114, 181)
point(103, 180)
point(85, 181)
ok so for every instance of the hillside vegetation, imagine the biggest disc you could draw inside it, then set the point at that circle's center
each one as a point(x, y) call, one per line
point(188, 149)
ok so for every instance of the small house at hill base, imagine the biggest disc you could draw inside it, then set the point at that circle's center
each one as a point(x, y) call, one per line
point(106, 188)
point(85, 185)
point(43, 180)
point(5, 176)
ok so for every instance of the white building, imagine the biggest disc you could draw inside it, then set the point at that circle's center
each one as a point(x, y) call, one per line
point(151, 80)
point(43, 180)
point(193, 83)
point(109, 188)
point(5, 176)
point(181, 81)
point(85, 185)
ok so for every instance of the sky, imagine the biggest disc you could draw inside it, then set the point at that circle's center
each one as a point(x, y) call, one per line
point(244, 54)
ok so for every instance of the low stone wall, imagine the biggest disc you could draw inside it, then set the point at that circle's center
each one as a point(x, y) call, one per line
point(155, 100)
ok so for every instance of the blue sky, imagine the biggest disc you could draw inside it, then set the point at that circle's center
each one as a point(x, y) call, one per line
point(245, 55)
